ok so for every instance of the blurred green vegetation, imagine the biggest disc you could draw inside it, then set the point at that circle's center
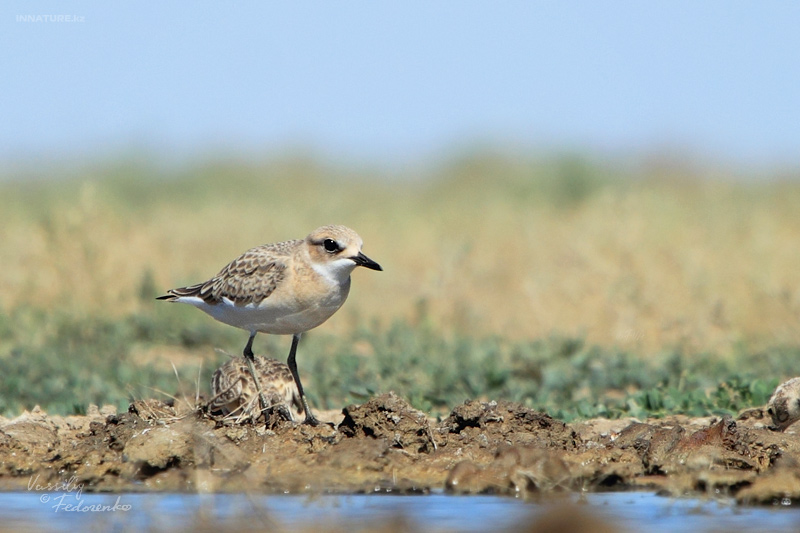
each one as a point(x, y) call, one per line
point(78, 360)
point(577, 287)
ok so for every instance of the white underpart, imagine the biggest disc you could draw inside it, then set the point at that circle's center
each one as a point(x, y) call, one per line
point(283, 316)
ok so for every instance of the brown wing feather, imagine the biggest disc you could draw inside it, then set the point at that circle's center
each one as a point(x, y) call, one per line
point(250, 278)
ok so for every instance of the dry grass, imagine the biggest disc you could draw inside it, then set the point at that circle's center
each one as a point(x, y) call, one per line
point(486, 246)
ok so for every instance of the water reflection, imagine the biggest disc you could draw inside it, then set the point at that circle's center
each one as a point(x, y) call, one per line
point(598, 513)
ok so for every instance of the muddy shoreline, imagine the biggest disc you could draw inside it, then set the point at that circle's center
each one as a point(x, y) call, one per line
point(385, 445)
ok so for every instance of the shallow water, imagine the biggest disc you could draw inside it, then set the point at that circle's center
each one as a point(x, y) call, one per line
point(633, 511)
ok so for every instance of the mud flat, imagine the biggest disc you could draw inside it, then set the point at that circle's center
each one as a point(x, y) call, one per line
point(385, 445)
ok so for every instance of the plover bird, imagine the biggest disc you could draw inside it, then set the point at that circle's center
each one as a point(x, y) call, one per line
point(235, 395)
point(285, 288)
point(784, 405)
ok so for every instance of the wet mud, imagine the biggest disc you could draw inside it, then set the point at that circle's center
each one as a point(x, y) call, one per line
point(384, 445)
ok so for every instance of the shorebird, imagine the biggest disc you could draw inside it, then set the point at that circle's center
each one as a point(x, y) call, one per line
point(284, 288)
point(235, 396)
point(784, 405)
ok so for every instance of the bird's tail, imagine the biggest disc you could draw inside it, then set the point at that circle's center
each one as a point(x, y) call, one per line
point(173, 295)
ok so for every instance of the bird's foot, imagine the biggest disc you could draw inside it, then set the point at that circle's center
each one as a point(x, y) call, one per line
point(312, 420)
point(283, 412)
point(316, 422)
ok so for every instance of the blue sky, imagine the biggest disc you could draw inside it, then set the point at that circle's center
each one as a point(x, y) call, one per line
point(395, 81)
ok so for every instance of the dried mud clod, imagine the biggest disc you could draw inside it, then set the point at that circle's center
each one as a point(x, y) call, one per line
point(391, 418)
point(495, 423)
point(671, 448)
point(778, 486)
point(386, 445)
point(515, 470)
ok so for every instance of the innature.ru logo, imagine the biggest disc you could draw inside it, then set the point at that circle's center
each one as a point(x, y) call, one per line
point(50, 18)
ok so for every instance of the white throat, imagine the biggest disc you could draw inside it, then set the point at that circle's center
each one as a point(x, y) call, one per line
point(336, 272)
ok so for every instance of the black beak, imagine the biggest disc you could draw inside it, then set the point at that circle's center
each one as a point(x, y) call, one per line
point(364, 261)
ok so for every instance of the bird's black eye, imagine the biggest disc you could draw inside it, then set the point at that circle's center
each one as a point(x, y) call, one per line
point(330, 246)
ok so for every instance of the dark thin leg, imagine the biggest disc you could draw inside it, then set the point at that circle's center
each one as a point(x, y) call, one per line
point(248, 350)
point(250, 358)
point(310, 418)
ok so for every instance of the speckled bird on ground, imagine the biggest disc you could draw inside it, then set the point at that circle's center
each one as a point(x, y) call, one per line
point(284, 288)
